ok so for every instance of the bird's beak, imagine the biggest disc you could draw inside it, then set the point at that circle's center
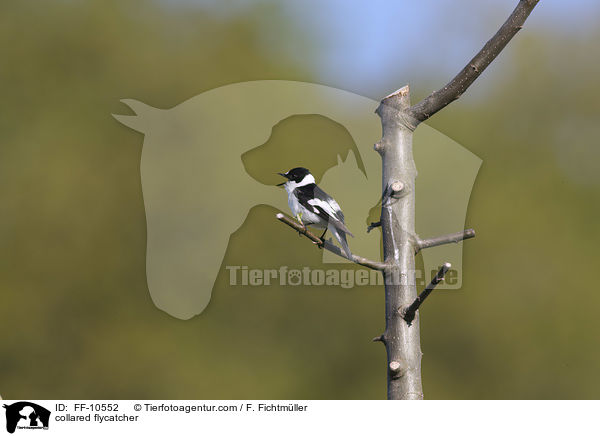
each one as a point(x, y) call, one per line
point(282, 183)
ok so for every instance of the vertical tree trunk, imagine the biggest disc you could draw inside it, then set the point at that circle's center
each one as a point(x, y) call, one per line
point(402, 341)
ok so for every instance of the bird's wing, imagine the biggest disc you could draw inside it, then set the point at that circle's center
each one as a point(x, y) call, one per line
point(314, 198)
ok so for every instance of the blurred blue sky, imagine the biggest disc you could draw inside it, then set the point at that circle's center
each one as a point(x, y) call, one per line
point(363, 45)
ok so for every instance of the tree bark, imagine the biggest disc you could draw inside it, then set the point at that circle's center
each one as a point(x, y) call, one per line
point(402, 341)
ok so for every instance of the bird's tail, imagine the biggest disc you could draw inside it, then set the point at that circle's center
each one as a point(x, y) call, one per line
point(341, 237)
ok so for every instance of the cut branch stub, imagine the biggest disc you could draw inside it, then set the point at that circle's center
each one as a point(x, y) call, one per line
point(396, 369)
point(397, 187)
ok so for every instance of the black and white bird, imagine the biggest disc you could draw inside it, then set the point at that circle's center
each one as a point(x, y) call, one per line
point(312, 206)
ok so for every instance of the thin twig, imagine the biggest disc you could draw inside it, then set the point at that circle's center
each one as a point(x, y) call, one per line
point(445, 239)
point(373, 225)
point(328, 245)
point(409, 312)
point(457, 86)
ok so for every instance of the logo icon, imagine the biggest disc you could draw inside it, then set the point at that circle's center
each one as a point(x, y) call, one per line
point(192, 157)
point(26, 415)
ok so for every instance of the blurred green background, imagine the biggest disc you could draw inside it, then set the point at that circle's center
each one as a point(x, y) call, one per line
point(76, 315)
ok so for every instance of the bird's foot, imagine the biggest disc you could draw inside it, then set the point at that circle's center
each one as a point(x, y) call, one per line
point(299, 218)
point(322, 238)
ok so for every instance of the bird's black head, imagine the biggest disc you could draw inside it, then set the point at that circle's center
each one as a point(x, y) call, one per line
point(295, 174)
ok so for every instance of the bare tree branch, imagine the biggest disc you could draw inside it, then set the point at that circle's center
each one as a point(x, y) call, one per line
point(328, 245)
point(408, 313)
point(445, 239)
point(457, 86)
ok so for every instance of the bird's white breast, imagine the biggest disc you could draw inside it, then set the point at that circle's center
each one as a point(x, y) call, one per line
point(293, 203)
point(308, 217)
